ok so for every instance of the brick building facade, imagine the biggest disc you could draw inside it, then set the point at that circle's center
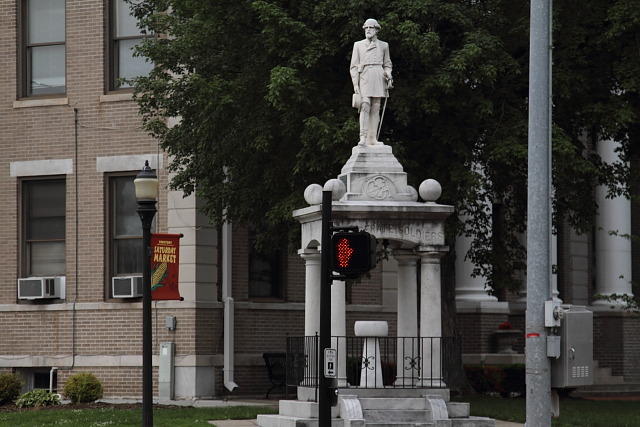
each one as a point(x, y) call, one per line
point(71, 144)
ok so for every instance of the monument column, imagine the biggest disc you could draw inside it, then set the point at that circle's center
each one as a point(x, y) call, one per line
point(431, 316)
point(311, 259)
point(408, 344)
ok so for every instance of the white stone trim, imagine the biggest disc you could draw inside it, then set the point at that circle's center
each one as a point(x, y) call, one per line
point(128, 163)
point(41, 167)
point(116, 97)
point(40, 102)
point(174, 305)
point(119, 360)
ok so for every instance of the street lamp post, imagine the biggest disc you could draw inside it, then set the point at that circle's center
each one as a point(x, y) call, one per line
point(146, 184)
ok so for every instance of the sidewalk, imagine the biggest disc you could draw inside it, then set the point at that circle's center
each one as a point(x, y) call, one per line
point(252, 423)
point(234, 423)
point(244, 402)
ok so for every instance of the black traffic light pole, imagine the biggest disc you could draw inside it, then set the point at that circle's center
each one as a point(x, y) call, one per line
point(324, 407)
point(327, 387)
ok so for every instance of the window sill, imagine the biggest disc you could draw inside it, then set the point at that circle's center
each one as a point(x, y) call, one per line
point(40, 102)
point(116, 97)
point(266, 300)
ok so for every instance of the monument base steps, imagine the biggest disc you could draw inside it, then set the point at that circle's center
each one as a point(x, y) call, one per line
point(361, 411)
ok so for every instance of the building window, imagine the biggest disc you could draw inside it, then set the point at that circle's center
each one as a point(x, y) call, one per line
point(43, 52)
point(124, 34)
point(266, 271)
point(38, 379)
point(125, 240)
point(43, 245)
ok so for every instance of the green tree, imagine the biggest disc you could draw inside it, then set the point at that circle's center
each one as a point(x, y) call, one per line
point(262, 91)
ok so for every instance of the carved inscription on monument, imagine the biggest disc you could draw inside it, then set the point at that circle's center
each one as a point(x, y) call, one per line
point(425, 235)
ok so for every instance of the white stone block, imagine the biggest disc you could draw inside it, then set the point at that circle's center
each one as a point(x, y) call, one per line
point(371, 328)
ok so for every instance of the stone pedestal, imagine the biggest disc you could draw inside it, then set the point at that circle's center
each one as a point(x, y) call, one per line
point(371, 367)
point(373, 173)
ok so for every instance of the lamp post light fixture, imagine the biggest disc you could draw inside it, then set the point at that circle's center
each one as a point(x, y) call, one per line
point(146, 184)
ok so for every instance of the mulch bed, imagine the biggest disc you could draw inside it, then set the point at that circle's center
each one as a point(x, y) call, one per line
point(10, 407)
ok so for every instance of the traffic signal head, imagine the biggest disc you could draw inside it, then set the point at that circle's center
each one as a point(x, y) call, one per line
point(353, 254)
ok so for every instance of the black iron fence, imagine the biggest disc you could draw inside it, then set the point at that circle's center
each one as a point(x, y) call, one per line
point(376, 362)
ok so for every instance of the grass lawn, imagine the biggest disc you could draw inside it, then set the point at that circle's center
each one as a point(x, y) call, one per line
point(573, 412)
point(103, 417)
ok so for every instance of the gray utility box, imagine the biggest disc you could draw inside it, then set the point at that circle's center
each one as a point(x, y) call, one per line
point(574, 367)
point(166, 368)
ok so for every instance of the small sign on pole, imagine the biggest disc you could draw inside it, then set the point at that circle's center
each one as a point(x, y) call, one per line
point(330, 362)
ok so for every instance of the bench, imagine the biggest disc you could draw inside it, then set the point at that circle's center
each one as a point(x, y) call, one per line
point(276, 364)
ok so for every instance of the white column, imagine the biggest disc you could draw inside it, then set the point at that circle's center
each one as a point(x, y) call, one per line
point(408, 344)
point(312, 263)
point(430, 317)
point(311, 259)
point(468, 288)
point(613, 252)
point(339, 329)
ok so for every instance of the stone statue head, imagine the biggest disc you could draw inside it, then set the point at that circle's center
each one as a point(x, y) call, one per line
point(371, 23)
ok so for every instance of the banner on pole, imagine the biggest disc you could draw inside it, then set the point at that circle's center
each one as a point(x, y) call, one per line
point(165, 257)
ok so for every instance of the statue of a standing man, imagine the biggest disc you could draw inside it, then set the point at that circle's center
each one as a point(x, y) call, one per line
point(371, 76)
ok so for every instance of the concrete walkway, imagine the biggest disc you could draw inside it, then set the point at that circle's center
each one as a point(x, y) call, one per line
point(507, 424)
point(234, 423)
point(252, 423)
point(241, 402)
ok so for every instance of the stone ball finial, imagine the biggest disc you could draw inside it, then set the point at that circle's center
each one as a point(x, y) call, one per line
point(337, 187)
point(413, 192)
point(313, 194)
point(430, 190)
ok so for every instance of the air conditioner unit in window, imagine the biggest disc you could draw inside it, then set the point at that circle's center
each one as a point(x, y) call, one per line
point(126, 286)
point(32, 288)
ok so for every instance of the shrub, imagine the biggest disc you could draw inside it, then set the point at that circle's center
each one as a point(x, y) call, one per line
point(37, 398)
point(83, 388)
point(515, 379)
point(10, 387)
point(505, 380)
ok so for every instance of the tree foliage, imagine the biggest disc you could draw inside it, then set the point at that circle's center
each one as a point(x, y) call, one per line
point(262, 92)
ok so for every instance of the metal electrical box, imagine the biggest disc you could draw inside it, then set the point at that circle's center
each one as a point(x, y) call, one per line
point(574, 367)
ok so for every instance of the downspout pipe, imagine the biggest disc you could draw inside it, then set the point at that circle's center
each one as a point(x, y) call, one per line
point(51, 373)
point(227, 300)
